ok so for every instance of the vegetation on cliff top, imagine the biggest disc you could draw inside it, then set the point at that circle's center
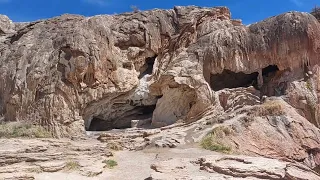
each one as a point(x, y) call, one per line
point(316, 12)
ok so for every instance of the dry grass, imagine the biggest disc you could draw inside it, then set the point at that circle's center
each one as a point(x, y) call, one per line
point(214, 140)
point(114, 146)
point(309, 86)
point(20, 129)
point(72, 166)
point(35, 170)
point(269, 108)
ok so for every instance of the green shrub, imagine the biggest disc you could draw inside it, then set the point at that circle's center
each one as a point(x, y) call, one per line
point(110, 163)
point(20, 129)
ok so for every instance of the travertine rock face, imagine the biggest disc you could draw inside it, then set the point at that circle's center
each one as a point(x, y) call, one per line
point(72, 73)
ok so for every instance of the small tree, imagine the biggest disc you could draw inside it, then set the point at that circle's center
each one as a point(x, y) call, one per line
point(316, 12)
point(134, 8)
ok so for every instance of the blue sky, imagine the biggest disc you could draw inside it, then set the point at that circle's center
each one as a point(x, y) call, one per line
point(248, 10)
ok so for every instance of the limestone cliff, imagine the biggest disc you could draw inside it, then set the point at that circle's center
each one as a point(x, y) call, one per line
point(72, 73)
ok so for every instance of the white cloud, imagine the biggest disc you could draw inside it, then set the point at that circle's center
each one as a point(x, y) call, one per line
point(297, 2)
point(4, 1)
point(96, 2)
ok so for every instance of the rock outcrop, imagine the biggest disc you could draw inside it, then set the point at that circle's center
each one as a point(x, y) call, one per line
point(230, 167)
point(27, 159)
point(71, 72)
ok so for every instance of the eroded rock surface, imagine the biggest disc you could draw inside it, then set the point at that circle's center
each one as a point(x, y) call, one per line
point(70, 72)
point(27, 159)
point(230, 167)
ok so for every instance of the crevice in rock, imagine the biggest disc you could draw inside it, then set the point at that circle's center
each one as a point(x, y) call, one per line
point(2, 32)
point(17, 36)
point(229, 79)
point(22, 32)
point(159, 96)
point(147, 68)
point(127, 65)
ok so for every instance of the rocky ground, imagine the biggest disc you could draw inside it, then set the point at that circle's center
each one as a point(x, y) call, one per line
point(47, 159)
point(174, 152)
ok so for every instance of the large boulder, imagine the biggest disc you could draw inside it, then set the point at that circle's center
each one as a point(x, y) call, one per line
point(6, 25)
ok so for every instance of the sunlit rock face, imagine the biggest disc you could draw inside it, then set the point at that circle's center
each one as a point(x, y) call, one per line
point(72, 73)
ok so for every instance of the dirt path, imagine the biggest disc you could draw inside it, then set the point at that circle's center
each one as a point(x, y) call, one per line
point(136, 165)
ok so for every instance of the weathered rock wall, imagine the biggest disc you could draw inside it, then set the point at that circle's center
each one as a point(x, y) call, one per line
point(68, 71)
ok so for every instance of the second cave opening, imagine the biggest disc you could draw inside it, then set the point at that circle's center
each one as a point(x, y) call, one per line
point(229, 79)
point(147, 68)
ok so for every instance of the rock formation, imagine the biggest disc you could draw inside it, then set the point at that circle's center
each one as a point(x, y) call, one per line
point(185, 72)
point(70, 72)
point(229, 167)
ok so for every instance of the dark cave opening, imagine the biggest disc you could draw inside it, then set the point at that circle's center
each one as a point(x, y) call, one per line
point(269, 71)
point(141, 113)
point(97, 123)
point(147, 68)
point(229, 79)
point(271, 86)
point(148, 110)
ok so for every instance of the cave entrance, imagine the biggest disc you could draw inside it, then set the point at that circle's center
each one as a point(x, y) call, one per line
point(142, 114)
point(145, 112)
point(99, 124)
point(229, 79)
point(269, 72)
point(271, 85)
point(147, 68)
